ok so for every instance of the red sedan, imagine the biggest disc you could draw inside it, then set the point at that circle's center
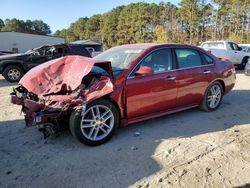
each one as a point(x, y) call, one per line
point(123, 85)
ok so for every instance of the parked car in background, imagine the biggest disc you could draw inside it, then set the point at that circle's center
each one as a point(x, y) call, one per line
point(122, 85)
point(93, 52)
point(227, 50)
point(245, 47)
point(92, 46)
point(14, 66)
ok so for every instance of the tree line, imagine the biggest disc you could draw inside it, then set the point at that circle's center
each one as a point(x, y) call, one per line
point(192, 21)
point(28, 26)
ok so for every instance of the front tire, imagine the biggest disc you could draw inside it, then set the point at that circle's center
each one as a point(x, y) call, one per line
point(13, 73)
point(97, 124)
point(213, 97)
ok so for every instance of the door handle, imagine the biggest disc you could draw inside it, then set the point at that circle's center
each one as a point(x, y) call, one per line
point(169, 78)
point(206, 72)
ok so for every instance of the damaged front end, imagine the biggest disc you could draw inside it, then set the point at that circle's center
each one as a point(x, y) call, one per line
point(50, 92)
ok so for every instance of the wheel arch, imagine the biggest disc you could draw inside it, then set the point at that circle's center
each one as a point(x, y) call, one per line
point(217, 80)
point(245, 57)
point(107, 97)
point(203, 104)
point(13, 63)
point(222, 84)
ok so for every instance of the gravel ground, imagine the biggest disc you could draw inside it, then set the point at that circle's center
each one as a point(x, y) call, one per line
point(187, 149)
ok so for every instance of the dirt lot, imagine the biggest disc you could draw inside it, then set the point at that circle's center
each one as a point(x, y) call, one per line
point(187, 149)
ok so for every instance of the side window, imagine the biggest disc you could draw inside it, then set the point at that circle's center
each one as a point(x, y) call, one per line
point(230, 45)
point(188, 58)
point(48, 51)
point(65, 51)
point(233, 46)
point(208, 59)
point(159, 60)
point(59, 51)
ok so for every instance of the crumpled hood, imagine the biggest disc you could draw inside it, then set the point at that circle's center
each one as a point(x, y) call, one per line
point(64, 73)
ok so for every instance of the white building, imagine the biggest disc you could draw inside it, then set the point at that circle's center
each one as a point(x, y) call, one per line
point(21, 42)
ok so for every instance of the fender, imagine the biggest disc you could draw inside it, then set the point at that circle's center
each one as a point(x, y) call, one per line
point(18, 63)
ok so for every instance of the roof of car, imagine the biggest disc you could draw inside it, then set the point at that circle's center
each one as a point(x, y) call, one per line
point(244, 45)
point(139, 45)
point(210, 41)
point(86, 42)
point(151, 45)
point(57, 45)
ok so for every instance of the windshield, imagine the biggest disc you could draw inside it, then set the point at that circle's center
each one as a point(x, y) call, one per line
point(213, 45)
point(120, 57)
point(44, 50)
point(245, 48)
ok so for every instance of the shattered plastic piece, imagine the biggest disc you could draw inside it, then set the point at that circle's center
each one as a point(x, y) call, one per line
point(137, 134)
point(134, 148)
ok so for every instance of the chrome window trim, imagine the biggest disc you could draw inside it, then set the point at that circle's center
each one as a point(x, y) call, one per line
point(177, 69)
point(195, 67)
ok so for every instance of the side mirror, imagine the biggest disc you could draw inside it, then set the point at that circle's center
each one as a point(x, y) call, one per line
point(143, 71)
point(239, 48)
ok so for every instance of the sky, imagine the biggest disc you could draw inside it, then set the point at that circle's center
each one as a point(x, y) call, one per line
point(59, 14)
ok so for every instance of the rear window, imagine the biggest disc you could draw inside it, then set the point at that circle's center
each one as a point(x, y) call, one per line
point(208, 59)
point(188, 58)
point(80, 50)
point(213, 45)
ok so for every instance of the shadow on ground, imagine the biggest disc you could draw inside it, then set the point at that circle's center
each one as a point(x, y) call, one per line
point(4, 83)
point(27, 160)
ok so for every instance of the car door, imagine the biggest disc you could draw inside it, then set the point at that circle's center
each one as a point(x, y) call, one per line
point(152, 93)
point(236, 55)
point(193, 76)
point(40, 57)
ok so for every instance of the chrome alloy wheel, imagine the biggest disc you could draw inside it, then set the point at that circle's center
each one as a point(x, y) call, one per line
point(214, 96)
point(14, 74)
point(97, 122)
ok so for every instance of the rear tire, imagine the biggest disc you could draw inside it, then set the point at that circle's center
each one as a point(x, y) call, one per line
point(243, 63)
point(13, 73)
point(97, 124)
point(213, 97)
